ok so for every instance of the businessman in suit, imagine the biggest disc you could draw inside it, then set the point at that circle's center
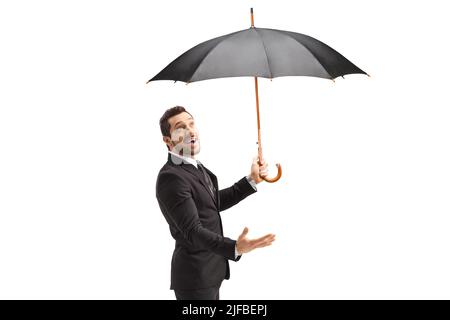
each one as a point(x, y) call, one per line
point(190, 200)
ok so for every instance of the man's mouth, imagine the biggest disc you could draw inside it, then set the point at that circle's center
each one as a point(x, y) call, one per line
point(193, 141)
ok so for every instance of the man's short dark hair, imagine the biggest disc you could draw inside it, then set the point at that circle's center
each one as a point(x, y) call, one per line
point(164, 121)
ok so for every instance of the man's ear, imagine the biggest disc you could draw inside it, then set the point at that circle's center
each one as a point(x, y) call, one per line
point(168, 142)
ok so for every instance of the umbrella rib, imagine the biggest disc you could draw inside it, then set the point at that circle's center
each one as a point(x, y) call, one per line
point(193, 73)
point(265, 52)
point(317, 59)
point(210, 50)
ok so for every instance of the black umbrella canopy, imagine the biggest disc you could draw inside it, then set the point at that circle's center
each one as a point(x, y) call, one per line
point(258, 52)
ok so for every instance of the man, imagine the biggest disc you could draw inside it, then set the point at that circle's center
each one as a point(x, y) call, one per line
point(190, 200)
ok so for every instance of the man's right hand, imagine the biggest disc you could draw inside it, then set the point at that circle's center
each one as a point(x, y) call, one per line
point(244, 245)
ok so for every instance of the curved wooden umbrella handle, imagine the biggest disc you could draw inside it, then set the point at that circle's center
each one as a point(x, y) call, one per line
point(260, 157)
point(276, 178)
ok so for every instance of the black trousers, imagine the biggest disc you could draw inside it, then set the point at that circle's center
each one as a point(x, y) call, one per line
point(198, 294)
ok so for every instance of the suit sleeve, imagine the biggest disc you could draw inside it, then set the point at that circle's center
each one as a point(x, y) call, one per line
point(174, 195)
point(234, 194)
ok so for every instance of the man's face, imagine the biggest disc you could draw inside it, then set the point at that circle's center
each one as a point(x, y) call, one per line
point(184, 138)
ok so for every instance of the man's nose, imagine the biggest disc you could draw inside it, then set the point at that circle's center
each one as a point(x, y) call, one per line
point(188, 135)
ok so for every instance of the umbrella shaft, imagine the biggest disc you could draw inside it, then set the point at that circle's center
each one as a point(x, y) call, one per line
point(258, 120)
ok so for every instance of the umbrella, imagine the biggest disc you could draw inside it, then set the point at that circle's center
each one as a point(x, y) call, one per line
point(258, 52)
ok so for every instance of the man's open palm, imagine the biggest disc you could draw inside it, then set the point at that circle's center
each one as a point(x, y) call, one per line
point(244, 245)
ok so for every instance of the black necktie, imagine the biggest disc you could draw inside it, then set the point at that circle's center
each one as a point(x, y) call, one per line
point(208, 180)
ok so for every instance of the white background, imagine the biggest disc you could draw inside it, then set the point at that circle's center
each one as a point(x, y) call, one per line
point(362, 210)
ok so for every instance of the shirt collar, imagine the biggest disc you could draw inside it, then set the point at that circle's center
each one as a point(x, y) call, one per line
point(186, 159)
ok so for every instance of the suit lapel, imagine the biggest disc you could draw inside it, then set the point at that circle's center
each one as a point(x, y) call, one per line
point(214, 181)
point(196, 173)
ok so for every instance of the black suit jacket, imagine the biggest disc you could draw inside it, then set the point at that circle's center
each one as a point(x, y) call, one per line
point(200, 258)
